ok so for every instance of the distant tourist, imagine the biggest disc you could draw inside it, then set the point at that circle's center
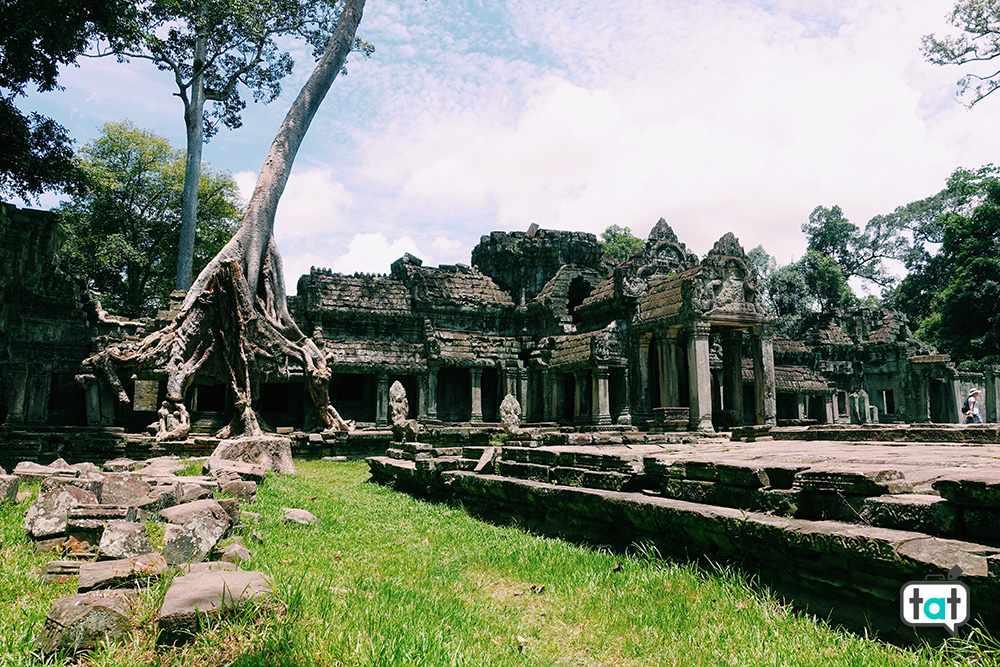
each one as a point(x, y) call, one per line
point(971, 408)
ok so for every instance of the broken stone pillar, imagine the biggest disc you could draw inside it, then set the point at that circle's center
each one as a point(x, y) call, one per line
point(601, 399)
point(732, 373)
point(700, 378)
point(580, 412)
point(864, 407)
point(664, 371)
point(763, 376)
point(476, 376)
point(673, 353)
point(801, 408)
point(644, 408)
point(382, 400)
point(992, 404)
point(830, 402)
point(422, 397)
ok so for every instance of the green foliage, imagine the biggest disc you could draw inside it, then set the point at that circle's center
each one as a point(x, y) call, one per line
point(859, 254)
point(619, 243)
point(789, 295)
point(825, 281)
point(979, 21)
point(123, 230)
point(38, 37)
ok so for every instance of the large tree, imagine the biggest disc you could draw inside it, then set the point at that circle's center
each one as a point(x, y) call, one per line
point(38, 37)
point(979, 21)
point(123, 227)
point(619, 243)
point(212, 48)
point(859, 254)
point(234, 321)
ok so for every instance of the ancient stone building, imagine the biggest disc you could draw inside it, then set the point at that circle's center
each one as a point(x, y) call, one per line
point(663, 340)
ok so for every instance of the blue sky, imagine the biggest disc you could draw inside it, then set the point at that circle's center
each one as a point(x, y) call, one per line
point(717, 115)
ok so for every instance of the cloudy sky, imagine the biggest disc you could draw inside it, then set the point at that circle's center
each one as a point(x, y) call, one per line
point(478, 115)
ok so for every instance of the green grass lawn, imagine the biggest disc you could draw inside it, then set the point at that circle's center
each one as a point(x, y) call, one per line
point(388, 580)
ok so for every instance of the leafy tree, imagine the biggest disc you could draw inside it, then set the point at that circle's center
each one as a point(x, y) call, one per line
point(825, 281)
point(859, 254)
point(38, 37)
point(234, 322)
point(213, 48)
point(790, 296)
point(979, 20)
point(766, 265)
point(619, 243)
point(123, 230)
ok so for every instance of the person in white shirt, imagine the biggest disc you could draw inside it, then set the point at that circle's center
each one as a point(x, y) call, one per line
point(973, 416)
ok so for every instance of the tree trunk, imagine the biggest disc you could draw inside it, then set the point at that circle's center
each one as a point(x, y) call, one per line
point(194, 123)
point(235, 319)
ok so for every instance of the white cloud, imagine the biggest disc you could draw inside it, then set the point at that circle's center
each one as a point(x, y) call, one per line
point(372, 252)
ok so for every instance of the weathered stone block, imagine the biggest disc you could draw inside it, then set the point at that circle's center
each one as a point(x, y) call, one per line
point(81, 622)
point(92, 482)
point(193, 541)
point(750, 476)
point(539, 473)
point(856, 482)
point(47, 516)
point(246, 471)
point(912, 511)
point(273, 453)
point(58, 571)
point(194, 596)
point(9, 485)
point(299, 516)
point(121, 490)
point(121, 573)
point(181, 514)
point(979, 488)
point(123, 539)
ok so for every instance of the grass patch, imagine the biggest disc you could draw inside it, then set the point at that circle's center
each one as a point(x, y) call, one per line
point(388, 580)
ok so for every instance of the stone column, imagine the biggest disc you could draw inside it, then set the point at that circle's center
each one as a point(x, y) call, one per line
point(601, 399)
point(763, 376)
point(922, 399)
point(992, 395)
point(625, 416)
point(522, 393)
point(580, 415)
point(802, 408)
point(732, 373)
point(109, 399)
point(548, 402)
point(663, 371)
point(558, 399)
point(381, 399)
point(700, 378)
point(38, 387)
point(476, 376)
point(432, 393)
point(17, 392)
point(422, 396)
point(644, 407)
point(831, 408)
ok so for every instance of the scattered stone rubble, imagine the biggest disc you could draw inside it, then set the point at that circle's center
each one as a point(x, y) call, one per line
point(85, 512)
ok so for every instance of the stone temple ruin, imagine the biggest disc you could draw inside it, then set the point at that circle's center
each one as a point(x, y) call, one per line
point(647, 402)
point(663, 340)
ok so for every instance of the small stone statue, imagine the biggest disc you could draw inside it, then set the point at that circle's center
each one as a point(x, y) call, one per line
point(172, 424)
point(510, 415)
point(403, 429)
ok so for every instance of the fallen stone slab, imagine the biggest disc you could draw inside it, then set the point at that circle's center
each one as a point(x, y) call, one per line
point(181, 514)
point(9, 485)
point(232, 508)
point(122, 465)
point(973, 488)
point(234, 553)
point(274, 453)
point(209, 566)
point(122, 572)
point(58, 571)
point(86, 467)
point(301, 517)
point(47, 516)
point(245, 491)
point(81, 622)
point(31, 470)
point(122, 490)
point(217, 467)
point(191, 491)
point(123, 539)
point(193, 541)
point(192, 597)
point(88, 481)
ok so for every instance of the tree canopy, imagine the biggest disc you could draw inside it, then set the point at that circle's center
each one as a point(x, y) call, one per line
point(216, 49)
point(619, 243)
point(979, 21)
point(40, 36)
point(123, 229)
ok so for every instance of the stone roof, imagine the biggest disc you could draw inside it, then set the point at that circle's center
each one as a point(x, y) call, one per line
point(374, 353)
point(469, 348)
point(791, 379)
point(664, 295)
point(571, 350)
point(458, 288)
point(375, 294)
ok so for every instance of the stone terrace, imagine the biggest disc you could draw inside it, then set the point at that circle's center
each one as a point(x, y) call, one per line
point(835, 525)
